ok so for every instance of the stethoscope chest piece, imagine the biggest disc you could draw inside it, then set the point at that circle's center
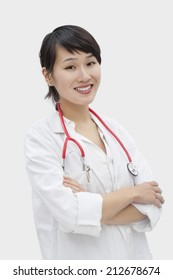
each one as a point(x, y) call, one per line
point(132, 169)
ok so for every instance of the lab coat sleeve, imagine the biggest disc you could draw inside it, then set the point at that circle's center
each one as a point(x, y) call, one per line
point(151, 211)
point(144, 174)
point(74, 212)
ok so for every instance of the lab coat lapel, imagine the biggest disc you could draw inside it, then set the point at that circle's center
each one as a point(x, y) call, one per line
point(123, 177)
point(119, 158)
point(90, 156)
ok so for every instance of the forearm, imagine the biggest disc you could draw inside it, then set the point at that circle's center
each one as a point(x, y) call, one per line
point(115, 202)
point(144, 193)
point(116, 206)
point(126, 216)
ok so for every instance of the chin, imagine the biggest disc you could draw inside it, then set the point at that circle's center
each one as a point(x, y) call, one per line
point(88, 100)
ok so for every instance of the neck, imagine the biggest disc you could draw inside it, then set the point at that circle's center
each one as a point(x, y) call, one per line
point(76, 113)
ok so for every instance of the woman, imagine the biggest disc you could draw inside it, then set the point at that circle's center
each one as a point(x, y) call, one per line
point(86, 203)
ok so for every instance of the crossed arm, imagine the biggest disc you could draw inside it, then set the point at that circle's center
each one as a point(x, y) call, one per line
point(117, 206)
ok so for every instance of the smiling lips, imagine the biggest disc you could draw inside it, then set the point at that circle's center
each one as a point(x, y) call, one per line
point(84, 90)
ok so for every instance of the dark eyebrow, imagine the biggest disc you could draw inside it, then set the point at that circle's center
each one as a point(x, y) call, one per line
point(73, 58)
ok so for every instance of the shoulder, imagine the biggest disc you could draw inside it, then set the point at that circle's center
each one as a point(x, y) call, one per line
point(39, 127)
point(120, 131)
point(43, 126)
point(41, 132)
point(40, 138)
point(112, 122)
point(116, 126)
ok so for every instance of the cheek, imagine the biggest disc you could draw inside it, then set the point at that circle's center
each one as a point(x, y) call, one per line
point(61, 81)
point(98, 77)
point(98, 73)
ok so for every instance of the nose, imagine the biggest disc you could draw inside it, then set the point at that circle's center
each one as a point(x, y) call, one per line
point(83, 75)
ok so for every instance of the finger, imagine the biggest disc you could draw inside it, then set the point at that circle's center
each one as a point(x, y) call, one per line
point(157, 190)
point(159, 197)
point(71, 181)
point(75, 188)
point(157, 203)
point(68, 184)
point(71, 187)
point(154, 183)
point(68, 178)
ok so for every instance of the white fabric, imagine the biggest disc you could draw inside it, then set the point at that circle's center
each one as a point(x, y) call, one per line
point(68, 224)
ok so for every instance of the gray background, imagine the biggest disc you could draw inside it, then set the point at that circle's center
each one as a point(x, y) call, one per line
point(137, 70)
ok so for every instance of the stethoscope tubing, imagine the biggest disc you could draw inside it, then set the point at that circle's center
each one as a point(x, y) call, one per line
point(111, 132)
point(130, 166)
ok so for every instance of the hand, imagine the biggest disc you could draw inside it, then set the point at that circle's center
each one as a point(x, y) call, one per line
point(149, 193)
point(74, 185)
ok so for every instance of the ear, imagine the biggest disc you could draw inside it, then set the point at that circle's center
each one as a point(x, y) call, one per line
point(47, 76)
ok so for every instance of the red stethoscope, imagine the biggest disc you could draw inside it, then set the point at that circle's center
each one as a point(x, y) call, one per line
point(130, 166)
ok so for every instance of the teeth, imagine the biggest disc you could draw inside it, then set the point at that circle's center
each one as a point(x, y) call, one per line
point(83, 88)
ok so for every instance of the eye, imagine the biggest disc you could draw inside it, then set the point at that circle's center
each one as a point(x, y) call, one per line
point(70, 67)
point(91, 63)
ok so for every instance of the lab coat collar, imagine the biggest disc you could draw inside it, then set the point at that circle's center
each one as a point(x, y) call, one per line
point(55, 123)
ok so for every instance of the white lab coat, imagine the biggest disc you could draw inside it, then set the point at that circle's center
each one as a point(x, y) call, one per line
point(68, 224)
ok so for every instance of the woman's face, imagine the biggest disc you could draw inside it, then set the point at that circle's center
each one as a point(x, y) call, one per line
point(76, 76)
